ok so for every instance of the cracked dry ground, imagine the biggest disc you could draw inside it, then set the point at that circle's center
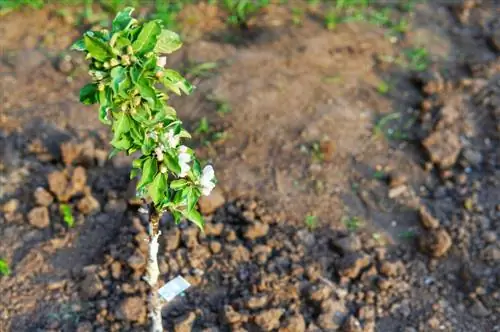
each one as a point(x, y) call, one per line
point(407, 233)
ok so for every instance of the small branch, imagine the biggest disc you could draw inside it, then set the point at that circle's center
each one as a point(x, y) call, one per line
point(153, 271)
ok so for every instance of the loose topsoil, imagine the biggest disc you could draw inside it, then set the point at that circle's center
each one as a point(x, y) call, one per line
point(341, 206)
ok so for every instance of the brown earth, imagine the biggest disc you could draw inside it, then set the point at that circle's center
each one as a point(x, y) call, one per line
point(408, 213)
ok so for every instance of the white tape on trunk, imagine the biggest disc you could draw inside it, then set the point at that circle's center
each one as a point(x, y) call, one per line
point(173, 288)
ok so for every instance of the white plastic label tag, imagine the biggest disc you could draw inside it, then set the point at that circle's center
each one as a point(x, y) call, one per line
point(173, 288)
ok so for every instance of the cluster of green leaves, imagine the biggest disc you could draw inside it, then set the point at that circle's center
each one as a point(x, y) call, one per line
point(240, 11)
point(4, 268)
point(125, 65)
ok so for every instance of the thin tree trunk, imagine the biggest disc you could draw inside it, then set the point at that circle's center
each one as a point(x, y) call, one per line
point(153, 272)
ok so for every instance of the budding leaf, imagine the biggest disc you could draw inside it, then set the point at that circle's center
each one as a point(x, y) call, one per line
point(168, 42)
point(146, 40)
point(97, 48)
point(89, 94)
point(123, 20)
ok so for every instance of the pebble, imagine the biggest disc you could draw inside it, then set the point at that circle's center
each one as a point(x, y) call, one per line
point(10, 206)
point(132, 309)
point(43, 197)
point(39, 217)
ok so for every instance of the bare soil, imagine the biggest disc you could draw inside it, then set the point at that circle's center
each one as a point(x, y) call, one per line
point(408, 212)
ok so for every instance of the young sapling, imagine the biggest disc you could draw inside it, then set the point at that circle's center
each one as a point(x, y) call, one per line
point(127, 66)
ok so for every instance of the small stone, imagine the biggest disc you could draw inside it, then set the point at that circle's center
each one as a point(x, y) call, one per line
point(132, 309)
point(491, 253)
point(479, 310)
point(473, 157)
point(333, 315)
point(65, 65)
point(489, 237)
point(10, 206)
point(232, 316)
point(269, 320)
point(43, 197)
point(256, 230)
point(78, 180)
point(443, 147)
point(351, 265)
point(397, 179)
point(116, 206)
point(39, 217)
point(436, 243)
point(88, 205)
point(428, 221)
point(392, 269)
point(84, 327)
point(494, 40)
point(397, 191)
point(208, 204)
point(256, 302)
point(351, 324)
point(320, 293)
point(137, 261)
point(349, 243)
point(190, 237)
point(215, 246)
point(172, 239)
point(58, 182)
point(295, 323)
point(185, 323)
point(91, 286)
point(214, 229)
point(116, 269)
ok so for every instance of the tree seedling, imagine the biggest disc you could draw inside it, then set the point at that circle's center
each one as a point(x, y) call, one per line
point(311, 222)
point(4, 268)
point(127, 66)
point(241, 11)
point(67, 214)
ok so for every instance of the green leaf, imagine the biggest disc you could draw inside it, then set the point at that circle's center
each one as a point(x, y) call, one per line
point(196, 168)
point(120, 81)
point(168, 42)
point(178, 184)
point(146, 40)
point(103, 114)
point(123, 19)
point(175, 82)
point(172, 162)
point(146, 91)
point(149, 170)
point(89, 94)
point(133, 173)
point(122, 125)
point(195, 217)
point(122, 143)
point(148, 146)
point(192, 197)
point(79, 45)
point(158, 187)
point(98, 49)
